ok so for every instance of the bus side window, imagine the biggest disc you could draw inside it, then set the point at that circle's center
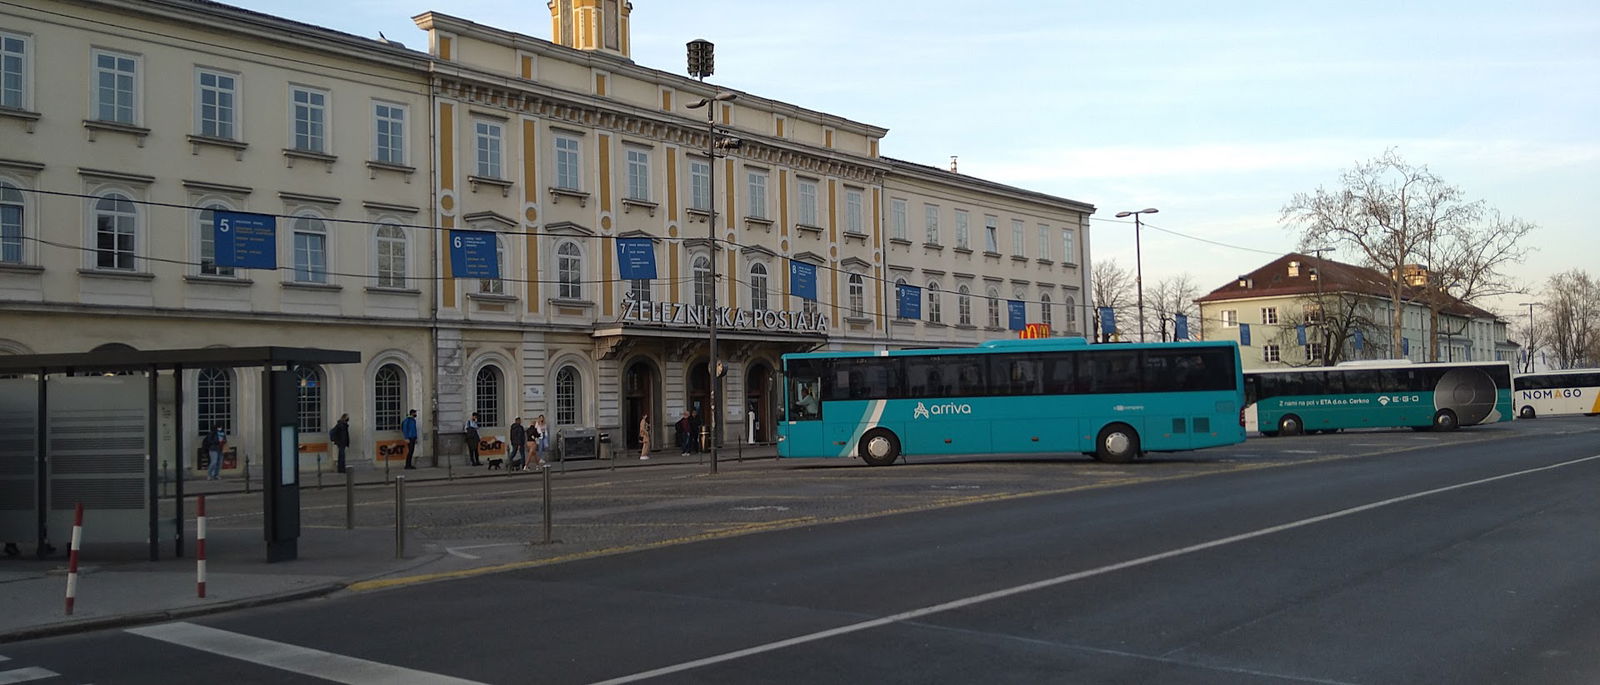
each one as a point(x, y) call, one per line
point(1061, 374)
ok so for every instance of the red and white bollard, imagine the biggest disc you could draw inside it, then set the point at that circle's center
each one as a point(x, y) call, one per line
point(200, 545)
point(72, 558)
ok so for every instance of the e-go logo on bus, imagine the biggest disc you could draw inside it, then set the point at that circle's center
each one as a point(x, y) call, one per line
point(1405, 399)
point(1565, 393)
point(924, 411)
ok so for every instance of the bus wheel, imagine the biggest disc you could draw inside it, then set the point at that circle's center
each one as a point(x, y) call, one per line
point(1290, 425)
point(1527, 413)
point(1444, 421)
point(879, 447)
point(1118, 444)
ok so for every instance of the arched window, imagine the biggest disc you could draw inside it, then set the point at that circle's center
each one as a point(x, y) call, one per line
point(310, 249)
point(486, 389)
point(994, 307)
point(569, 269)
point(1072, 312)
point(858, 295)
point(1045, 317)
point(308, 398)
point(497, 286)
point(567, 396)
point(214, 400)
point(391, 247)
point(935, 303)
point(964, 305)
point(116, 232)
point(388, 397)
point(702, 280)
point(12, 212)
point(758, 287)
point(899, 313)
point(205, 228)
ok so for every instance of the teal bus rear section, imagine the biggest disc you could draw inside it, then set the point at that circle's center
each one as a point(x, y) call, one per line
point(1046, 396)
point(1441, 396)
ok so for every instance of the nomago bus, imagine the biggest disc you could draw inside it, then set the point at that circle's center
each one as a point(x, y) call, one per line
point(1377, 394)
point(1051, 396)
point(1552, 393)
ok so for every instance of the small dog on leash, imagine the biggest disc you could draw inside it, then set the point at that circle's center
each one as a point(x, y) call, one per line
point(495, 464)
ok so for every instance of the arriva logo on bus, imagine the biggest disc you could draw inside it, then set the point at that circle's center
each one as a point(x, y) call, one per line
point(924, 411)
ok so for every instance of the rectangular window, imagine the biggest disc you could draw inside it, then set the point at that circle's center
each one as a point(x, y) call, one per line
point(116, 87)
point(389, 124)
point(962, 221)
point(1068, 238)
point(991, 234)
point(930, 216)
point(756, 184)
point(1018, 242)
point(699, 185)
point(897, 219)
point(567, 169)
point(218, 97)
point(1269, 353)
point(1044, 241)
point(310, 119)
point(852, 211)
point(1313, 351)
point(486, 137)
point(808, 203)
point(310, 257)
point(13, 71)
point(11, 213)
point(1230, 318)
point(1269, 315)
point(639, 174)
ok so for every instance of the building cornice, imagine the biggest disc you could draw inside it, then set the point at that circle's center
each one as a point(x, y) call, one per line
point(928, 174)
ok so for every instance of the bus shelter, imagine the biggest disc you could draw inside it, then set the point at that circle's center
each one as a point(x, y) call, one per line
point(93, 428)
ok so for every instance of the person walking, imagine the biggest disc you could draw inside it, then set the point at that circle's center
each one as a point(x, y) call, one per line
point(408, 430)
point(215, 442)
point(472, 439)
point(685, 426)
point(539, 440)
point(516, 454)
point(644, 437)
point(340, 437)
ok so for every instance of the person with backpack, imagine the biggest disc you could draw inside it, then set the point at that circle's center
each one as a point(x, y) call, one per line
point(685, 427)
point(215, 442)
point(472, 439)
point(339, 435)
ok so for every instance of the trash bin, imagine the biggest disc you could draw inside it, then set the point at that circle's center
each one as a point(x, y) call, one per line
point(578, 443)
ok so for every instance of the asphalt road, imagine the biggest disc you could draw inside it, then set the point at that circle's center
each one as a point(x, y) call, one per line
point(1466, 558)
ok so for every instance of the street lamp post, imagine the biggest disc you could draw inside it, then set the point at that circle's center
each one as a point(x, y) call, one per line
point(1528, 366)
point(1138, 260)
point(1322, 312)
point(701, 66)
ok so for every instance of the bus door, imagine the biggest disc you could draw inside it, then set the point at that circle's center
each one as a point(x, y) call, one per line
point(800, 434)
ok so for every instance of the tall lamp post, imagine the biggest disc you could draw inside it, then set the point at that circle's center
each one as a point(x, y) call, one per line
point(701, 66)
point(1528, 367)
point(1322, 312)
point(1138, 260)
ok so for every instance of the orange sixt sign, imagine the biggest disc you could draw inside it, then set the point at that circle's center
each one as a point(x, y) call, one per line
point(391, 450)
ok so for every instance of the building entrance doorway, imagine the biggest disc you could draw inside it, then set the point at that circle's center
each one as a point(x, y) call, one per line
point(639, 394)
point(698, 395)
point(758, 395)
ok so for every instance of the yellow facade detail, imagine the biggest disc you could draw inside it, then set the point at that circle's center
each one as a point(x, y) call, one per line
point(600, 85)
point(833, 208)
point(447, 148)
point(607, 251)
point(783, 203)
point(444, 47)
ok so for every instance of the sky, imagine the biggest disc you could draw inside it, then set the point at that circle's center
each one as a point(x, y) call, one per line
point(1215, 113)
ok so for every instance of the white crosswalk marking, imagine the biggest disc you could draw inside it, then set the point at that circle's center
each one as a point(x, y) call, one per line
point(303, 660)
point(23, 675)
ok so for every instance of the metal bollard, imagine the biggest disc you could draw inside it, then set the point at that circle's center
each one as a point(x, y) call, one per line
point(547, 505)
point(319, 470)
point(246, 474)
point(350, 498)
point(164, 478)
point(399, 517)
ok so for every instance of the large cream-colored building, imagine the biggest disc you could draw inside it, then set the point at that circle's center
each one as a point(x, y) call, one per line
point(556, 147)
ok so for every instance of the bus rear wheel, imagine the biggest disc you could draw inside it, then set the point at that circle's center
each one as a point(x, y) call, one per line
point(1118, 443)
point(1527, 413)
point(1290, 425)
point(879, 447)
point(1445, 421)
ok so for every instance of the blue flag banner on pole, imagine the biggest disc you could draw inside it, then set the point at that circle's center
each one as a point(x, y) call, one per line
point(1108, 322)
point(637, 258)
point(910, 297)
point(803, 279)
point(1180, 327)
point(472, 255)
point(1300, 334)
point(1361, 340)
point(1405, 346)
point(1017, 312)
point(244, 240)
point(1244, 334)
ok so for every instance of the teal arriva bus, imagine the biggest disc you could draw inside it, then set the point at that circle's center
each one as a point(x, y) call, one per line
point(1042, 396)
point(1389, 394)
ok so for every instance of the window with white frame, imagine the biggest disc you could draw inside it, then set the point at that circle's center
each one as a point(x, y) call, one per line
point(1313, 351)
point(857, 289)
point(898, 314)
point(994, 307)
point(930, 216)
point(486, 393)
point(116, 232)
point(852, 211)
point(567, 395)
point(1269, 315)
point(308, 398)
point(14, 68)
point(810, 306)
point(701, 270)
point(487, 139)
point(389, 129)
point(699, 184)
point(1019, 245)
point(756, 193)
point(964, 306)
point(758, 287)
point(639, 290)
point(935, 300)
point(1230, 318)
point(214, 399)
point(638, 174)
point(310, 119)
point(897, 219)
point(569, 168)
point(569, 270)
point(1269, 353)
point(13, 211)
point(496, 286)
point(388, 397)
point(807, 208)
point(1069, 239)
point(1045, 316)
point(205, 229)
point(310, 250)
point(1312, 314)
point(391, 247)
point(1044, 241)
point(991, 234)
point(217, 108)
point(961, 229)
point(116, 87)
point(1072, 312)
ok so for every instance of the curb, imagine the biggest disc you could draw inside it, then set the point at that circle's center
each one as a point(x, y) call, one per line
point(123, 620)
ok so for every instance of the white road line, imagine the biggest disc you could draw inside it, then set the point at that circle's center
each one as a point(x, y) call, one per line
point(1059, 580)
point(302, 660)
point(1301, 452)
point(23, 675)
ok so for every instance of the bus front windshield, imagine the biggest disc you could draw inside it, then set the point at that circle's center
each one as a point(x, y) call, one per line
point(805, 395)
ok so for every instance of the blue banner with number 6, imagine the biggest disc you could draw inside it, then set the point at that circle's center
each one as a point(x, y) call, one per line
point(472, 255)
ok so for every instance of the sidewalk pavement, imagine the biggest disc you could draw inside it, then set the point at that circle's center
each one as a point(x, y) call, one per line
point(121, 587)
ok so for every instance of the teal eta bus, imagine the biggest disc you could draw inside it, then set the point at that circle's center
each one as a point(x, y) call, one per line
point(1385, 394)
point(1553, 393)
point(1044, 396)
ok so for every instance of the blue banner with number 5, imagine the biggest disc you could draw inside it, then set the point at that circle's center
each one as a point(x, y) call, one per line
point(245, 241)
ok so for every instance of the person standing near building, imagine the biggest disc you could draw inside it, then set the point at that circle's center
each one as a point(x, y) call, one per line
point(644, 436)
point(215, 442)
point(516, 451)
point(408, 430)
point(340, 437)
point(472, 439)
point(696, 428)
point(538, 440)
point(685, 428)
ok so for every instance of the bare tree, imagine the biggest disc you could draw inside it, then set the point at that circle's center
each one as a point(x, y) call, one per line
point(1172, 296)
point(1572, 316)
point(1334, 322)
point(1113, 287)
point(1466, 261)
